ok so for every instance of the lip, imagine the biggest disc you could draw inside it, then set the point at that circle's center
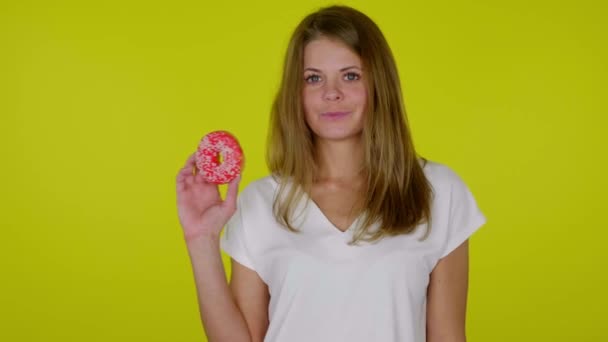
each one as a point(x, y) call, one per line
point(334, 115)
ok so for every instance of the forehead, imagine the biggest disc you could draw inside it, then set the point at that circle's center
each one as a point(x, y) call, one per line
point(324, 53)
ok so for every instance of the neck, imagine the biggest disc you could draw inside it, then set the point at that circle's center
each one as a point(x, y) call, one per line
point(339, 160)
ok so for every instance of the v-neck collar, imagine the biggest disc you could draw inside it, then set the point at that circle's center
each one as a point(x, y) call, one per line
point(325, 221)
point(319, 217)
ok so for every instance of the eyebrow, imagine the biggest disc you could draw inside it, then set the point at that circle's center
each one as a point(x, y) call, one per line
point(343, 69)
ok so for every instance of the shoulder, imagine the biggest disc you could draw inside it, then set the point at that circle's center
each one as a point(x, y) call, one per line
point(449, 188)
point(441, 176)
point(453, 196)
point(260, 189)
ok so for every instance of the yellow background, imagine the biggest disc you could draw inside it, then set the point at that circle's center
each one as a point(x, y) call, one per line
point(101, 103)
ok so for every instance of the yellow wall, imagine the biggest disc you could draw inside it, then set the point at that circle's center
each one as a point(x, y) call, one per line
point(100, 104)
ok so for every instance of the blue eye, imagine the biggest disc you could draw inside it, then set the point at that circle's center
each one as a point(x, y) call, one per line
point(351, 76)
point(309, 78)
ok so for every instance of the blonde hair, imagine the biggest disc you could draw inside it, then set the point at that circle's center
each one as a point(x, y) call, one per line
point(396, 193)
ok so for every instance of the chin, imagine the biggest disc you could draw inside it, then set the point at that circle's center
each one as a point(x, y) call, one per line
point(338, 136)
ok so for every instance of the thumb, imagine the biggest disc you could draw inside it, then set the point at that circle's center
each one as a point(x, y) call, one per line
point(229, 203)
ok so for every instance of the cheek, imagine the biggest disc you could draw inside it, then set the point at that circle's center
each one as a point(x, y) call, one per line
point(310, 99)
point(358, 94)
point(308, 103)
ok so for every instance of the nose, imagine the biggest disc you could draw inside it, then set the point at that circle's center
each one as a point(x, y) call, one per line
point(332, 93)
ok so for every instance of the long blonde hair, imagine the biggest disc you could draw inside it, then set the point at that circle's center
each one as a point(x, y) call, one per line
point(396, 193)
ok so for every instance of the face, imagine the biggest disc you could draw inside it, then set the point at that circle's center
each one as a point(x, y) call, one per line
point(334, 91)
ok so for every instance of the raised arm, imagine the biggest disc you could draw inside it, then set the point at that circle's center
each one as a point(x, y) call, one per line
point(202, 215)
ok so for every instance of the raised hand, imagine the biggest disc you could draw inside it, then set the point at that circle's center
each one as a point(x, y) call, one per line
point(200, 208)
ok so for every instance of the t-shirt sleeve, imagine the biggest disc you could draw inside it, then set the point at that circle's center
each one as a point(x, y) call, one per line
point(233, 241)
point(465, 217)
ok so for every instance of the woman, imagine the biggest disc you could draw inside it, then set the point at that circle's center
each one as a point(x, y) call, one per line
point(352, 237)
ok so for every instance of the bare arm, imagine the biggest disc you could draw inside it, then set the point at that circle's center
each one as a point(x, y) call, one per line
point(221, 317)
point(252, 298)
point(202, 215)
point(447, 297)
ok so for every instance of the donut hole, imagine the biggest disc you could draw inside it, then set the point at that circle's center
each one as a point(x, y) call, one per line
point(220, 158)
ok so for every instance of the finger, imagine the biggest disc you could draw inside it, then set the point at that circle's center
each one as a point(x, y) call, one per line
point(181, 182)
point(199, 178)
point(231, 195)
point(206, 186)
point(181, 176)
point(184, 174)
point(190, 162)
point(189, 167)
point(180, 186)
point(189, 180)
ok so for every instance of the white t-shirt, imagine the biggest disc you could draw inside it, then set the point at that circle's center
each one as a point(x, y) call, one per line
point(322, 289)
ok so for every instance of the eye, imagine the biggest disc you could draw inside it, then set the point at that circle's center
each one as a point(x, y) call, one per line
point(351, 76)
point(312, 78)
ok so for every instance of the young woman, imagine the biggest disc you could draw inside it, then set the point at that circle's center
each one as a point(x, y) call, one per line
point(352, 237)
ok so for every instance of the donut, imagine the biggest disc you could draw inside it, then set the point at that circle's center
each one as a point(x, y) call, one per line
point(219, 157)
point(212, 147)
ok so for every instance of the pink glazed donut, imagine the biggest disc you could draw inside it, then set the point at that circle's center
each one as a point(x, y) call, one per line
point(213, 146)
